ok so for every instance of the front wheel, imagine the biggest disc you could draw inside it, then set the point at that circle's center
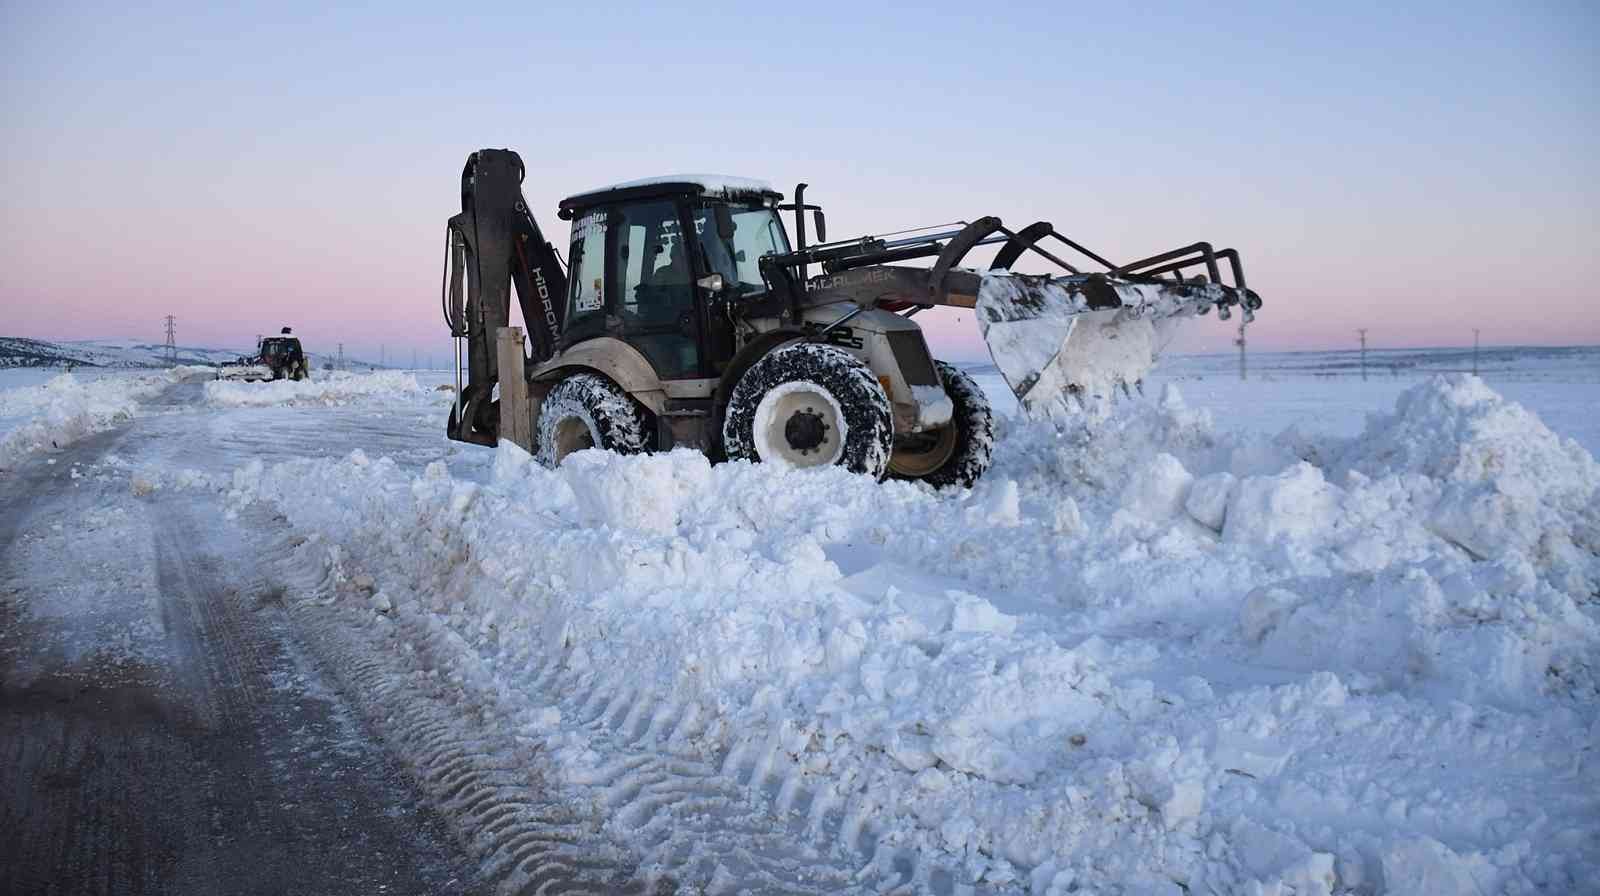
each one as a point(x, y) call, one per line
point(810, 405)
point(586, 410)
point(958, 452)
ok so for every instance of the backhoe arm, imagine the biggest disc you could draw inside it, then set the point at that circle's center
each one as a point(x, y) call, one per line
point(497, 243)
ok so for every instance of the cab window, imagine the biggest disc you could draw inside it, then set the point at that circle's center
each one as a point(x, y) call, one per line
point(755, 231)
point(587, 292)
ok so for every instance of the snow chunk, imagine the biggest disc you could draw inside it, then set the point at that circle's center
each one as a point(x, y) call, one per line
point(647, 494)
point(1158, 493)
point(1424, 865)
point(1263, 609)
point(1207, 501)
point(974, 614)
point(1000, 504)
point(1297, 504)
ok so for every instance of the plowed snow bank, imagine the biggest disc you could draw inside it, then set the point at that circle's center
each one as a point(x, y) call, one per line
point(67, 408)
point(332, 388)
point(1137, 655)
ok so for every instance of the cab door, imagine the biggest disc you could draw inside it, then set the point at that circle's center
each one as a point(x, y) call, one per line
point(656, 301)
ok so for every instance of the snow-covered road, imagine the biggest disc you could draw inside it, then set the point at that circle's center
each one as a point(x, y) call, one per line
point(1151, 655)
point(161, 727)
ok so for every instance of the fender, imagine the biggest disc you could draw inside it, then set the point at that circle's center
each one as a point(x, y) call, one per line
point(614, 359)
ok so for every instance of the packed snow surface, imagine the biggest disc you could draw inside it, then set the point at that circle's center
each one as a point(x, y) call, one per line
point(1141, 656)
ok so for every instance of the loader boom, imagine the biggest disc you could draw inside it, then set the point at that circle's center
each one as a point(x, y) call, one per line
point(1056, 338)
point(497, 244)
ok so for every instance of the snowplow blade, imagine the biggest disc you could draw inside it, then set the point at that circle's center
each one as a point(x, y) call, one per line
point(1083, 337)
point(248, 373)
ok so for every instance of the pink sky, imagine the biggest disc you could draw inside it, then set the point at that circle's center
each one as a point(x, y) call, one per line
point(297, 168)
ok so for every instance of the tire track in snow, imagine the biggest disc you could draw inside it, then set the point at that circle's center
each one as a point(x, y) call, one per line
point(527, 840)
point(651, 817)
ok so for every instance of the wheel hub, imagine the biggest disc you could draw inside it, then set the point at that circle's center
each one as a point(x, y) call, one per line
point(799, 424)
point(805, 432)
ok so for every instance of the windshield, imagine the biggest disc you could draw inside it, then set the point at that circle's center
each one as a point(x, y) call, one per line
point(756, 232)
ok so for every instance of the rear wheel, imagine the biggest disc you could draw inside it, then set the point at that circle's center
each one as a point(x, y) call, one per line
point(587, 410)
point(809, 405)
point(957, 453)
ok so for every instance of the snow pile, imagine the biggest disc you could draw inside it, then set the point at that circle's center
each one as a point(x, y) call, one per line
point(1140, 656)
point(67, 408)
point(330, 388)
point(1508, 483)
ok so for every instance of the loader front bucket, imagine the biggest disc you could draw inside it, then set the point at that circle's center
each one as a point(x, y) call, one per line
point(1083, 337)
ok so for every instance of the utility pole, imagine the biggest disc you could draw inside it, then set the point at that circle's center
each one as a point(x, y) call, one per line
point(172, 340)
point(1474, 351)
point(341, 356)
point(382, 354)
point(1363, 333)
point(1240, 343)
point(413, 359)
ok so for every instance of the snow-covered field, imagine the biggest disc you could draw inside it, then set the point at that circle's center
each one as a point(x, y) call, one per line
point(1300, 634)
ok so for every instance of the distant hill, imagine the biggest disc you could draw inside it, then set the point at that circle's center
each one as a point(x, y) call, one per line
point(16, 351)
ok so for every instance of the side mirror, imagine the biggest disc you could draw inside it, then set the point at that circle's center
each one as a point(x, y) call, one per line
point(822, 225)
point(712, 283)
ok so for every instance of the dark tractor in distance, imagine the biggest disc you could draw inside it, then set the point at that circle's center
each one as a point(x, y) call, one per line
point(284, 357)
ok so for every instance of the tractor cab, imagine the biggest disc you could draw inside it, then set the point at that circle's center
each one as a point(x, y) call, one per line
point(657, 263)
point(284, 356)
point(280, 348)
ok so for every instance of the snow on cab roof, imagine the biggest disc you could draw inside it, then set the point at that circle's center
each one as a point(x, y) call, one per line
point(716, 184)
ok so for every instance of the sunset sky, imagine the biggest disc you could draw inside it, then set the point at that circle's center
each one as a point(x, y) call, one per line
point(1418, 173)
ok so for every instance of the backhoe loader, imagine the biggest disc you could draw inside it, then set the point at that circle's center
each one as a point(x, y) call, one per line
point(684, 316)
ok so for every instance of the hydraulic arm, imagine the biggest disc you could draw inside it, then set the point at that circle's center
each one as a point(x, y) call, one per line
point(496, 244)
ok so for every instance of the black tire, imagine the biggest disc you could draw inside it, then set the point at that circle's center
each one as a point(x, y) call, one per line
point(971, 428)
point(822, 406)
point(586, 410)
